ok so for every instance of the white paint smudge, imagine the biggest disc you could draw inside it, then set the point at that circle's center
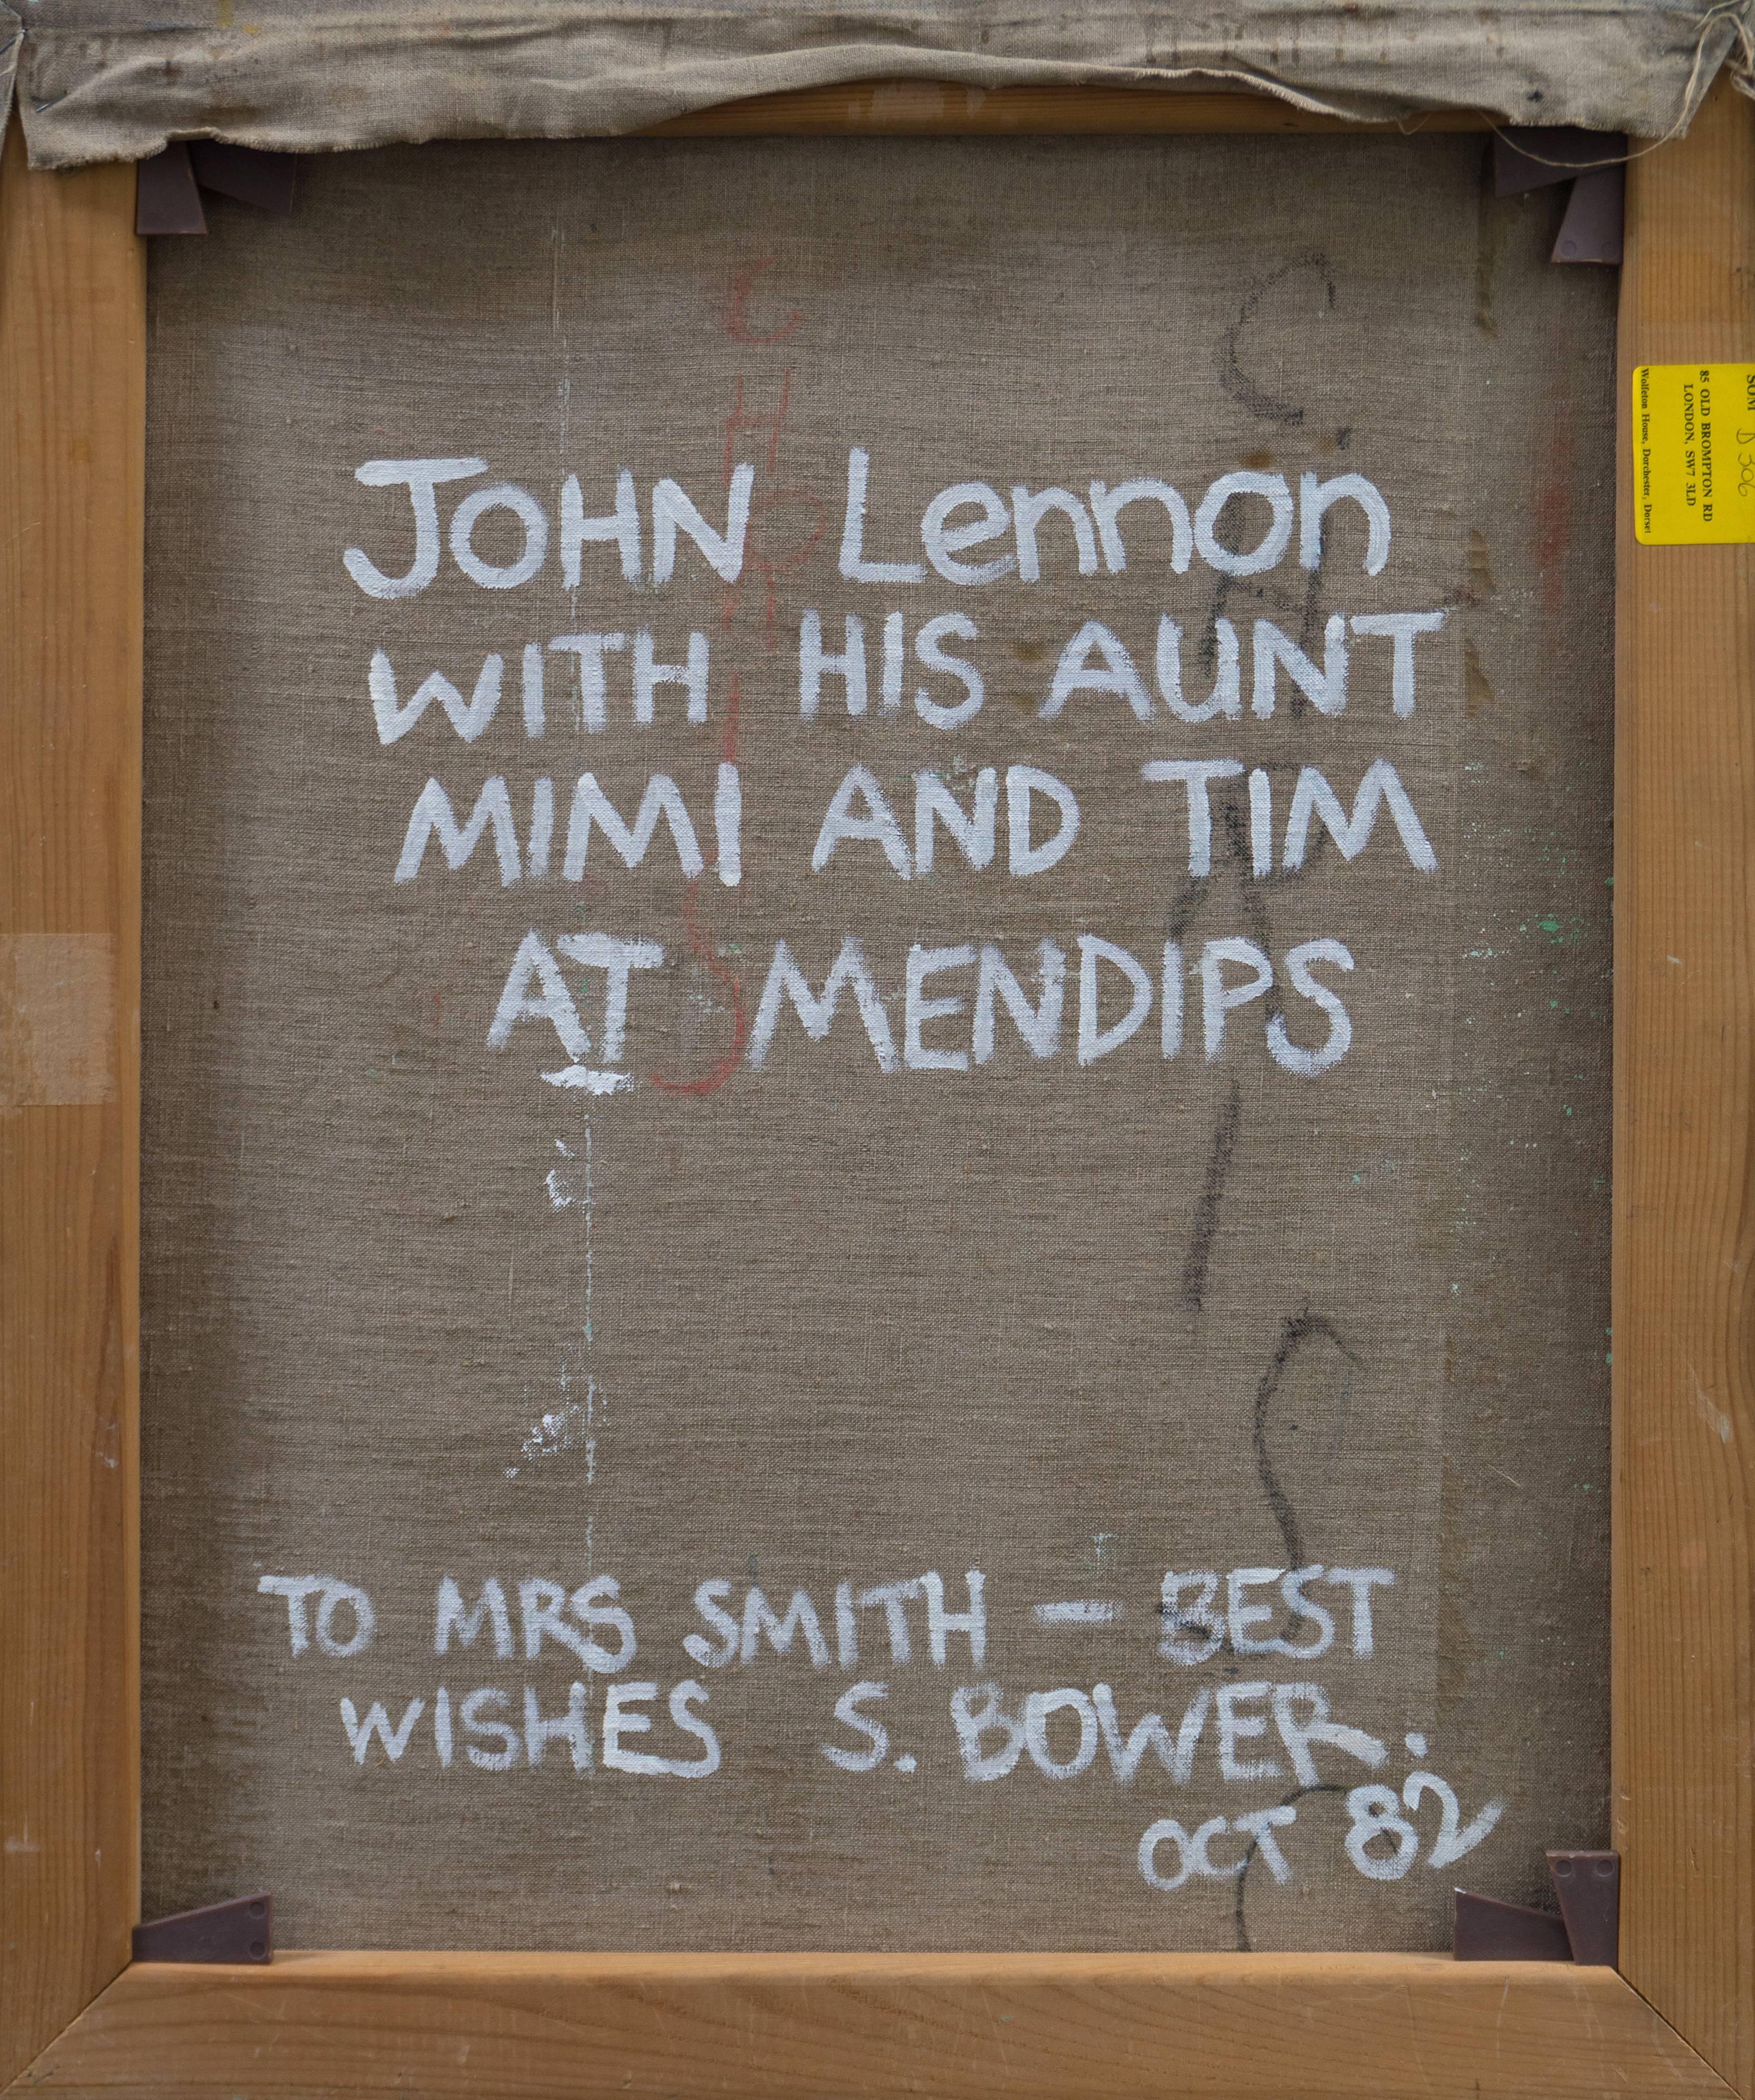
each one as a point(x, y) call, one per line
point(1078, 1612)
point(572, 1426)
point(566, 1428)
point(1709, 1414)
point(583, 1077)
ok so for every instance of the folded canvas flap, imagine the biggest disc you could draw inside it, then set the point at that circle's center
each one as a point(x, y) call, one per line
point(11, 31)
point(99, 83)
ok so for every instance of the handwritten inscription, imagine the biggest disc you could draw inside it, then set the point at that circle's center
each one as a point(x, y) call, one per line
point(1021, 820)
point(1235, 1733)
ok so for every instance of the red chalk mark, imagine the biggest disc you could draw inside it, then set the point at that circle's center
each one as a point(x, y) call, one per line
point(736, 306)
point(774, 424)
point(770, 564)
point(785, 551)
point(728, 748)
point(712, 1080)
point(786, 525)
point(1553, 504)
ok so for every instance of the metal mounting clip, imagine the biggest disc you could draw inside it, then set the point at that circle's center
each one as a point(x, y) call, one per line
point(1587, 1931)
point(241, 1930)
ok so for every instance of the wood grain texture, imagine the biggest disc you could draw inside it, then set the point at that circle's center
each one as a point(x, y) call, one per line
point(934, 2026)
point(909, 108)
point(71, 456)
point(1684, 1548)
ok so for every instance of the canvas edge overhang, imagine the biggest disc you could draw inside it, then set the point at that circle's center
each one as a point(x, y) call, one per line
point(95, 85)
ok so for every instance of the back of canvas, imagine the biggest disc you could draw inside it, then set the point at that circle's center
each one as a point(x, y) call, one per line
point(876, 1048)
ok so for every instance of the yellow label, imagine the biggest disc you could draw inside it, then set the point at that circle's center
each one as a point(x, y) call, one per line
point(1694, 454)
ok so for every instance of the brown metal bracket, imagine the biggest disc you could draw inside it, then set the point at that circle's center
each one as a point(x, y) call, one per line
point(1490, 1930)
point(1591, 230)
point(1535, 156)
point(240, 1932)
point(168, 186)
point(166, 200)
point(263, 179)
point(1588, 1885)
point(1587, 1931)
point(1530, 157)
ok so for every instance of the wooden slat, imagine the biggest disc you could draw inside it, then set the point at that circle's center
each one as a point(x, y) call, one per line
point(514, 2027)
point(936, 108)
point(1684, 1516)
point(71, 437)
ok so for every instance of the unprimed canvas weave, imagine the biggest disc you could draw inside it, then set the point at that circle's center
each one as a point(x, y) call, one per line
point(413, 1311)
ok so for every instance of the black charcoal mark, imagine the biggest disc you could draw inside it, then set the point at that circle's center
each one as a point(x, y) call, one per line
point(1493, 221)
point(1271, 408)
point(1312, 622)
point(1312, 625)
point(1234, 826)
point(1207, 656)
point(1238, 383)
point(1299, 1329)
point(1286, 1800)
point(1312, 638)
point(1183, 911)
point(1254, 891)
point(1195, 1261)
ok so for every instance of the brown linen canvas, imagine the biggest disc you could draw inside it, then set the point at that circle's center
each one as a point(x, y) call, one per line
point(847, 1315)
point(104, 80)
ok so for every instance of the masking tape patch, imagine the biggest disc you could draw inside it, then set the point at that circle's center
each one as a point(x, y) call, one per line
point(57, 1019)
point(1694, 454)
